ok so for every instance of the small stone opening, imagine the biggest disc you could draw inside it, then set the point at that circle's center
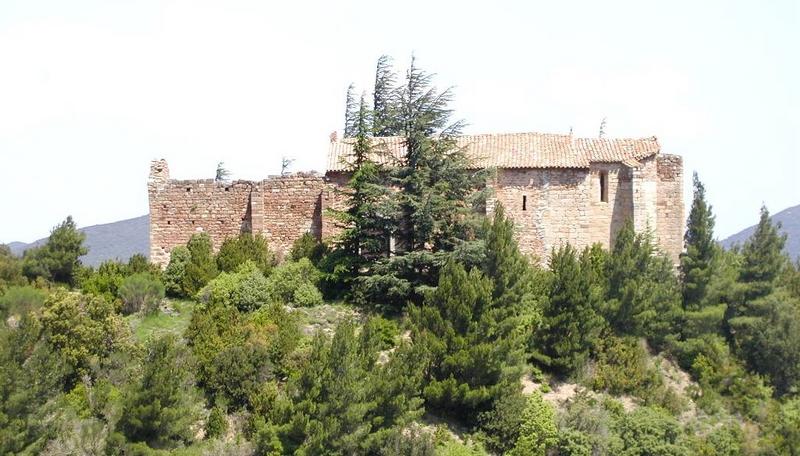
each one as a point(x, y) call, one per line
point(188, 189)
point(524, 202)
point(604, 186)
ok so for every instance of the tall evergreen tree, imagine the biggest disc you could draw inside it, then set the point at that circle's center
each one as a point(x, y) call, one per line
point(437, 196)
point(572, 322)
point(472, 354)
point(368, 216)
point(763, 258)
point(160, 408)
point(384, 99)
point(350, 112)
point(701, 249)
point(59, 258)
point(643, 297)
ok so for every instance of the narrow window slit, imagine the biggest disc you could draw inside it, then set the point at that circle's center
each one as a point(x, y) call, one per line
point(524, 202)
point(604, 186)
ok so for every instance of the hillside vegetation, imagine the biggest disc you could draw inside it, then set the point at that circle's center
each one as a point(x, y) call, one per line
point(453, 344)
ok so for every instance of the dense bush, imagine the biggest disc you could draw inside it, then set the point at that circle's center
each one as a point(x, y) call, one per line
point(246, 289)
point(236, 251)
point(179, 258)
point(105, 281)
point(21, 300)
point(201, 267)
point(160, 407)
point(307, 246)
point(59, 258)
point(217, 423)
point(10, 268)
point(538, 432)
point(295, 282)
point(141, 292)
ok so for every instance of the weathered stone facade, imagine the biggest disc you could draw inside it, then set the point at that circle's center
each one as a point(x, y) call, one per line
point(576, 191)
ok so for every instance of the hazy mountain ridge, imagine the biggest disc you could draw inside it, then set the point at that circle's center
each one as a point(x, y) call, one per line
point(117, 240)
point(790, 225)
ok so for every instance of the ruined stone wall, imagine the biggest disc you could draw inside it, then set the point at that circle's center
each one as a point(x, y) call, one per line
point(282, 208)
point(332, 199)
point(670, 210)
point(560, 205)
point(180, 208)
point(292, 206)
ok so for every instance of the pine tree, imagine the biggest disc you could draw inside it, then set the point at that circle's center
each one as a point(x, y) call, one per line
point(572, 322)
point(472, 355)
point(701, 249)
point(160, 408)
point(520, 289)
point(763, 258)
point(643, 297)
point(384, 99)
point(58, 259)
point(367, 219)
point(437, 195)
point(350, 112)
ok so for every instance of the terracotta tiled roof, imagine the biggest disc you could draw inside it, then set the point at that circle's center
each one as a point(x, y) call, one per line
point(515, 150)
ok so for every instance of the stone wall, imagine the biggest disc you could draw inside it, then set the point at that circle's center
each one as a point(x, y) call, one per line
point(282, 208)
point(180, 208)
point(671, 221)
point(607, 217)
point(560, 206)
point(292, 206)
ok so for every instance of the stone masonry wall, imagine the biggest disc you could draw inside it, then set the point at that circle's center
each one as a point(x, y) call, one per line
point(281, 208)
point(292, 206)
point(180, 208)
point(561, 205)
point(556, 207)
point(669, 231)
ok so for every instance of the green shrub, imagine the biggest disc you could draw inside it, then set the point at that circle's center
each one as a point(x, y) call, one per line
point(384, 332)
point(201, 267)
point(538, 432)
point(295, 282)
point(21, 300)
point(246, 247)
point(307, 246)
point(105, 281)
point(217, 423)
point(649, 430)
point(141, 292)
point(246, 289)
point(10, 268)
point(307, 295)
point(622, 367)
point(179, 257)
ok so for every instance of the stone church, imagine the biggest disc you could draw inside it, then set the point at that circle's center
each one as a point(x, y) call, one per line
point(556, 188)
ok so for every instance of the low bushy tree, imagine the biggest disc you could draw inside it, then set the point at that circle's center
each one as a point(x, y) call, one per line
point(473, 351)
point(141, 293)
point(59, 258)
point(295, 282)
point(201, 267)
point(572, 322)
point(246, 289)
point(538, 432)
point(81, 329)
point(235, 251)
point(179, 258)
point(160, 407)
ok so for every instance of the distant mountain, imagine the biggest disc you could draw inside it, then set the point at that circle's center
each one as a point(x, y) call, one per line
point(110, 241)
point(790, 221)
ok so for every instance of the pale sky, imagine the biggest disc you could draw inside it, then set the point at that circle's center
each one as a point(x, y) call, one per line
point(91, 91)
